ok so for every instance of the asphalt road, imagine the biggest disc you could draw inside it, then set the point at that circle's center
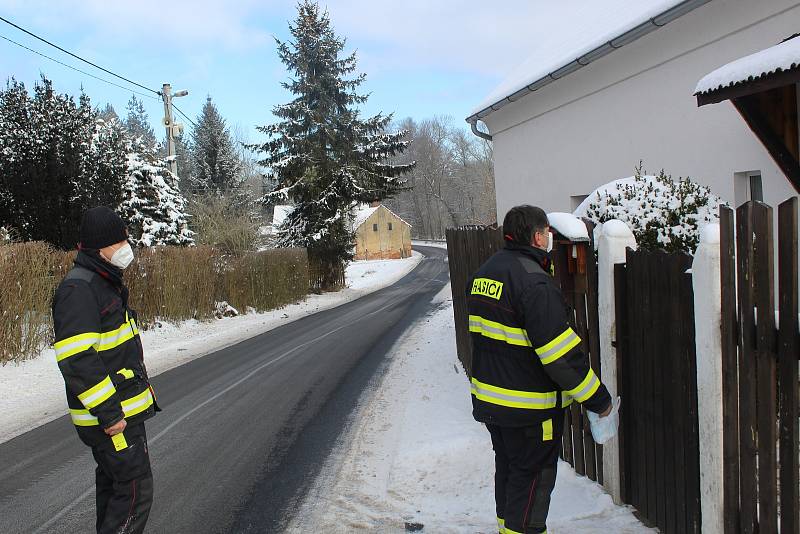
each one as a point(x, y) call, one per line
point(244, 430)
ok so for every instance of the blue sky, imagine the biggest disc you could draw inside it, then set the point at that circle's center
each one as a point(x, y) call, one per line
point(422, 58)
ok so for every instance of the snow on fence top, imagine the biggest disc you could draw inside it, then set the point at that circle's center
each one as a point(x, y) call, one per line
point(785, 56)
point(572, 35)
point(569, 226)
point(616, 228)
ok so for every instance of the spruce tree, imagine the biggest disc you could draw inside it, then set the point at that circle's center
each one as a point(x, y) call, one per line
point(137, 122)
point(57, 159)
point(322, 155)
point(214, 160)
point(153, 207)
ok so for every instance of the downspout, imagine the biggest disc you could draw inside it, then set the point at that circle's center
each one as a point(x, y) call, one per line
point(474, 125)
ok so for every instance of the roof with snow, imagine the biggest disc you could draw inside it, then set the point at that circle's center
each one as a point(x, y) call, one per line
point(569, 226)
point(783, 57)
point(571, 46)
point(364, 212)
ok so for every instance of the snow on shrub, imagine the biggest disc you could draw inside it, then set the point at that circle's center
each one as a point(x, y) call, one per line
point(661, 212)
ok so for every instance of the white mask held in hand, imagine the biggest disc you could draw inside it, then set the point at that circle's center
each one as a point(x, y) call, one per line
point(122, 257)
point(605, 428)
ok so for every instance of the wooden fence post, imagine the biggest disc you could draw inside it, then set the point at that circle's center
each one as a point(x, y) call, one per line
point(730, 374)
point(614, 240)
point(748, 422)
point(788, 349)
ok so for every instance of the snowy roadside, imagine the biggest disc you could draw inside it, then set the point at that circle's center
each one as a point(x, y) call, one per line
point(413, 455)
point(437, 244)
point(33, 390)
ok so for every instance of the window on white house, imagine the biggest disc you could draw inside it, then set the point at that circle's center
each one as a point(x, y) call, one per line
point(747, 186)
point(374, 227)
point(390, 227)
point(577, 200)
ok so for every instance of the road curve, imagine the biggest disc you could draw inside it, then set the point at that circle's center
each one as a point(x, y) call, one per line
point(244, 430)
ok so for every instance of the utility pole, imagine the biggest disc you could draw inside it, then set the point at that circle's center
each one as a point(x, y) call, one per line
point(173, 129)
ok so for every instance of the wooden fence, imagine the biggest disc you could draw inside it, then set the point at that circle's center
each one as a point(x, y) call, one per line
point(657, 379)
point(576, 272)
point(467, 248)
point(760, 370)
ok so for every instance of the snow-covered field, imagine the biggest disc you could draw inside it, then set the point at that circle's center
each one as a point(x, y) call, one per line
point(33, 391)
point(413, 454)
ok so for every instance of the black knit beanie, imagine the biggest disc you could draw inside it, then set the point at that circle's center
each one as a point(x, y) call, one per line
point(101, 227)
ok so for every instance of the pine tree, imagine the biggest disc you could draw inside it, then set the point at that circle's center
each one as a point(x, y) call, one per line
point(322, 155)
point(108, 113)
point(152, 206)
point(138, 122)
point(57, 158)
point(214, 160)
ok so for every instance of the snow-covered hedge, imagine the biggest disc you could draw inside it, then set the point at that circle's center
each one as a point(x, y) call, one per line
point(662, 213)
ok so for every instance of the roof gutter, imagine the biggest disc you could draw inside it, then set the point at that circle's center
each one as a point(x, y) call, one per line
point(591, 56)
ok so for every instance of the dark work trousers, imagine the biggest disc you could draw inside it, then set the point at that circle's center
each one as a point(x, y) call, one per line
point(124, 484)
point(526, 459)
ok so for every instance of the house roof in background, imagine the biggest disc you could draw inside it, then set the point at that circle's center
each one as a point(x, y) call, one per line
point(571, 45)
point(364, 212)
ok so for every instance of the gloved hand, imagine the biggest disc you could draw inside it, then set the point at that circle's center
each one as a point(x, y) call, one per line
point(605, 428)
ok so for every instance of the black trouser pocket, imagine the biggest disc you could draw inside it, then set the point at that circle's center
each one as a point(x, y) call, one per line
point(128, 463)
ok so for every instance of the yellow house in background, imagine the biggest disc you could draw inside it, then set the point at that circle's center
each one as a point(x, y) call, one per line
point(381, 234)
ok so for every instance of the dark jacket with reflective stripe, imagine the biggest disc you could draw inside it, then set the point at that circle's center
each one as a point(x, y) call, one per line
point(100, 355)
point(527, 363)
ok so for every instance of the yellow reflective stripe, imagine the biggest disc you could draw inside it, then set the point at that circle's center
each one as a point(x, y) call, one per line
point(126, 373)
point(498, 331)
point(501, 522)
point(75, 344)
point(585, 389)
point(507, 530)
point(83, 418)
point(115, 338)
point(97, 394)
point(547, 430)
point(559, 346)
point(137, 404)
point(130, 407)
point(566, 400)
point(530, 400)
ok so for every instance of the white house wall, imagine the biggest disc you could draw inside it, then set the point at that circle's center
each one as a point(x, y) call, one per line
point(636, 103)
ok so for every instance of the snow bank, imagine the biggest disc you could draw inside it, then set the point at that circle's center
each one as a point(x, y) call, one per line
point(780, 57)
point(569, 226)
point(413, 454)
point(33, 390)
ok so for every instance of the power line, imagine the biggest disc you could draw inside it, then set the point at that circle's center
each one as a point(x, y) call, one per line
point(77, 69)
point(185, 116)
point(78, 57)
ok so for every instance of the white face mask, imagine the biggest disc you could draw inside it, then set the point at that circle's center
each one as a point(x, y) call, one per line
point(549, 241)
point(122, 257)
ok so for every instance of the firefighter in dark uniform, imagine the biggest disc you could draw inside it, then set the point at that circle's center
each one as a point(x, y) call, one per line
point(527, 366)
point(100, 355)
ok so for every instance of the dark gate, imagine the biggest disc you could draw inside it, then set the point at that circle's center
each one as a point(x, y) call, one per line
point(657, 377)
